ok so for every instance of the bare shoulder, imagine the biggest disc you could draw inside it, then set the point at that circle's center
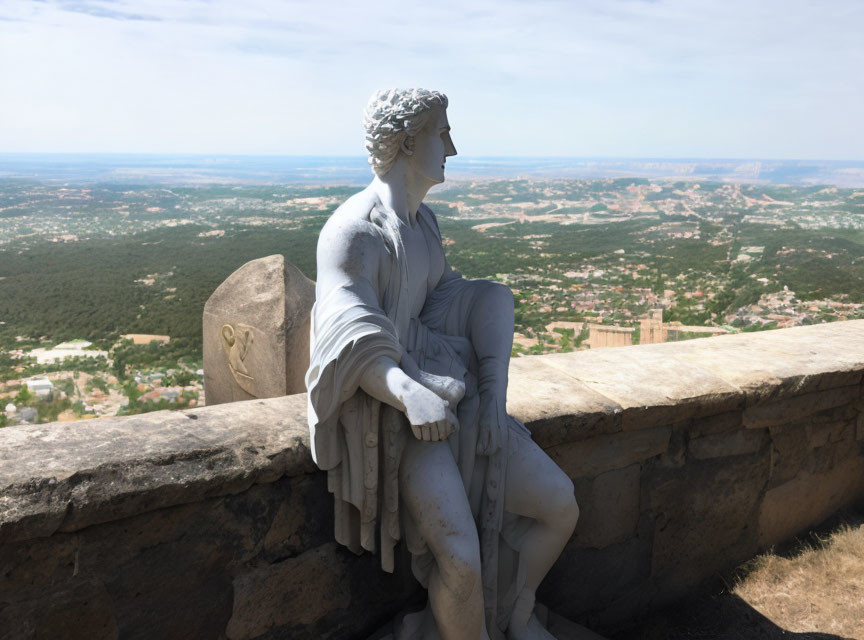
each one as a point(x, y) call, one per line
point(348, 240)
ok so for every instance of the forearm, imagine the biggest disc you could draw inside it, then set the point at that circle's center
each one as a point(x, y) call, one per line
point(385, 380)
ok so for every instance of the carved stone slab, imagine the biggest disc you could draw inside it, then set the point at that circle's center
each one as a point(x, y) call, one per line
point(256, 332)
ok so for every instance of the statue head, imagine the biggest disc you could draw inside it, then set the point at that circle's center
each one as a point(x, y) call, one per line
point(411, 121)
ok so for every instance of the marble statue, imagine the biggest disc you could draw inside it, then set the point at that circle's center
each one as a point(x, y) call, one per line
point(407, 396)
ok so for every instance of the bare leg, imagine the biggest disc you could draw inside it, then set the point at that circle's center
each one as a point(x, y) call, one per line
point(490, 330)
point(433, 492)
point(537, 488)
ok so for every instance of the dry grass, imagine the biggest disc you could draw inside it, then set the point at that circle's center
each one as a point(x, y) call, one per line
point(819, 589)
point(811, 590)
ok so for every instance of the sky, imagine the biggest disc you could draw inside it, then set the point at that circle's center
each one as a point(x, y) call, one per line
point(594, 78)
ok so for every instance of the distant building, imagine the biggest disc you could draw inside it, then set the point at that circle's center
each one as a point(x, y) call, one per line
point(652, 329)
point(40, 387)
point(146, 338)
point(64, 350)
point(604, 335)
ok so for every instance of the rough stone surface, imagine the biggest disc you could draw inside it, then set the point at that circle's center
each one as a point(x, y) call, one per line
point(796, 408)
point(541, 397)
point(608, 507)
point(256, 332)
point(600, 454)
point(790, 508)
point(728, 444)
point(651, 387)
point(771, 364)
point(66, 476)
point(201, 524)
point(705, 515)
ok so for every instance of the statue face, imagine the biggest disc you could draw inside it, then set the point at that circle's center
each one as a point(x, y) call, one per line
point(432, 147)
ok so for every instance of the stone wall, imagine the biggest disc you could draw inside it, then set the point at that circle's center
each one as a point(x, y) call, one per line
point(687, 458)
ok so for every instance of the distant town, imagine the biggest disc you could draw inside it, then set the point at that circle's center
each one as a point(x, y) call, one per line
point(102, 284)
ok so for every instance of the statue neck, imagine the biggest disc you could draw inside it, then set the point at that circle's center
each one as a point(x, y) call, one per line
point(401, 190)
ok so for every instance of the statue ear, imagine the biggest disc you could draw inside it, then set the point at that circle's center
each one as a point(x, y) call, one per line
point(407, 145)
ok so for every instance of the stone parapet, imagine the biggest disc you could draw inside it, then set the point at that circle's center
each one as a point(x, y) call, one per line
point(687, 458)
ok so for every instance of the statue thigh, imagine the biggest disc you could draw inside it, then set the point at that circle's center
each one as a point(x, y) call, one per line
point(433, 492)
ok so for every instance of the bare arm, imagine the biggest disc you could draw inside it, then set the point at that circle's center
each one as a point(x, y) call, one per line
point(349, 256)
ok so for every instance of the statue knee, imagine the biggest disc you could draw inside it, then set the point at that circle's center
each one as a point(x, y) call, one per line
point(563, 511)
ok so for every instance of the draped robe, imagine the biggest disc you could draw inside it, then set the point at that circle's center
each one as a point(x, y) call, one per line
point(359, 440)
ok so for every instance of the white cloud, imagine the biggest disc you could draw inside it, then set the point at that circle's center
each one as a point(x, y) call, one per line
point(546, 77)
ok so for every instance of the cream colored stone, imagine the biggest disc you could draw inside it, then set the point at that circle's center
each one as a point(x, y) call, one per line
point(771, 364)
point(796, 408)
point(808, 499)
point(256, 332)
point(651, 386)
point(555, 406)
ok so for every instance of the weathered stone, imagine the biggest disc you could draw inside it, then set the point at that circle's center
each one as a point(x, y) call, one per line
point(790, 449)
point(600, 454)
point(796, 408)
point(256, 332)
point(705, 514)
point(735, 443)
point(585, 579)
point(608, 507)
point(115, 467)
point(720, 423)
point(651, 387)
point(860, 426)
point(773, 364)
point(792, 507)
point(82, 611)
point(820, 434)
point(555, 406)
point(297, 591)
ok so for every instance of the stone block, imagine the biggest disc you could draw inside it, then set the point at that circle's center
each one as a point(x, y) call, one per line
point(650, 386)
point(256, 332)
point(591, 457)
point(608, 507)
point(803, 502)
point(555, 406)
point(860, 426)
point(720, 423)
point(796, 408)
point(585, 580)
point(772, 364)
point(325, 592)
point(790, 448)
point(820, 434)
point(734, 443)
point(112, 468)
point(704, 514)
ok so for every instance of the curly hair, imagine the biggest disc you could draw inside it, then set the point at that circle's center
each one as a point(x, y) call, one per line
point(393, 115)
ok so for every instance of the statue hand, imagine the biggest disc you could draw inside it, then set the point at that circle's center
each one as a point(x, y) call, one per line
point(430, 417)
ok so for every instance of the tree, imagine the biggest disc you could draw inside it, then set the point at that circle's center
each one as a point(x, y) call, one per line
point(24, 396)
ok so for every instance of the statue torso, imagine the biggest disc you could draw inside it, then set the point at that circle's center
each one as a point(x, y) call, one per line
point(425, 258)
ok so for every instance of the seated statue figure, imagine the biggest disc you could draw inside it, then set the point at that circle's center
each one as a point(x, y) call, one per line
point(407, 397)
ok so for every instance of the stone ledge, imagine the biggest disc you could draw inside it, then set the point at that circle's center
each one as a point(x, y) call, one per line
point(67, 476)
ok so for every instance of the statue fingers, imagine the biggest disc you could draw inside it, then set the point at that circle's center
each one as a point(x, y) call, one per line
point(417, 431)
